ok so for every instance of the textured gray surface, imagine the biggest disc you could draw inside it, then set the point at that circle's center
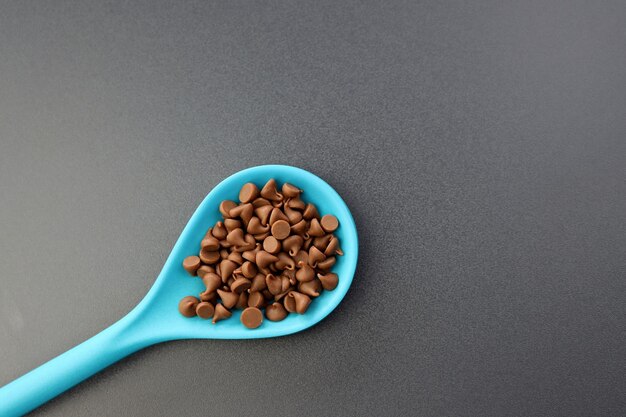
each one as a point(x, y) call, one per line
point(480, 145)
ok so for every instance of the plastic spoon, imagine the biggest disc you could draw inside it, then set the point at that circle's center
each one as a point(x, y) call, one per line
point(156, 318)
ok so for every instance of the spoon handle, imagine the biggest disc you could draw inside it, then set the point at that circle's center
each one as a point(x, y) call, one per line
point(68, 369)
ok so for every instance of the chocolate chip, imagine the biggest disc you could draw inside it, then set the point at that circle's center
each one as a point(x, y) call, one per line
point(271, 245)
point(225, 207)
point(229, 299)
point(258, 283)
point(209, 257)
point(248, 193)
point(264, 259)
point(270, 192)
point(210, 243)
point(284, 262)
point(191, 264)
point(305, 272)
point(252, 317)
point(187, 306)
point(300, 228)
point(315, 256)
point(210, 297)
point(256, 228)
point(302, 301)
point(240, 285)
point(311, 288)
point(263, 213)
point(292, 244)
point(329, 223)
point(290, 304)
point(273, 283)
point(277, 215)
point(326, 264)
point(242, 302)
point(296, 204)
point(310, 212)
point(329, 281)
point(221, 313)
point(205, 310)
point(249, 269)
point(315, 229)
point(235, 257)
point(219, 231)
point(259, 202)
point(275, 312)
point(290, 191)
point(333, 247)
point(294, 216)
point(226, 269)
point(244, 211)
point(205, 269)
point(301, 256)
point(256, 299)
point(212, 281)
point(281, 229)
point(232, 224)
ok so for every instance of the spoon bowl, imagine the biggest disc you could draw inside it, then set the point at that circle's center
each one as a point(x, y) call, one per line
point(156, 318)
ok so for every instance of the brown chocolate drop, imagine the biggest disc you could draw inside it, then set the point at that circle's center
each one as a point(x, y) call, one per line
point(290, 191)
point(187, 306)
point(258, 283)
point(240, 285)
point(276, 215)
point(267, 294)
point(229, 299)
point(322, 242)
point(294, 216)
point(310, 288)
point(300, 227)
point(243, 300)
point(244, 211)
point(275, 312)
point(261, 237)
point(256, 228)
point(274, 284)
point(235, 257)
point(248, 193)
point(310, 212)
point(263, 213)
point(326, 264)
point(277, 204)
point(302, 301)
point(236, 238)
point(221, 313)
point(226, 269)
point(264, 259)
point(249, 269)
point(212, 282)
point(205, 269)
point(305, 273)
point(315, 229)
point(210, 243)
point(291, 274)
point(329, 281)
point(223, 255)
point(290, 304)
point(270, 192)
point(256, 299)
point(284, 283)
point(329, 223)
point(307, 242)
point(225, 207)
point(292, 244)
point(252, 317)
point(209, 257)
point(281, 229)
point(333, 247)
point(284, 262)
point(296, 204)
point(191, 265)
point(271, 245)
point(301, 256)
point(219, 231)
point(259, 202)
point(205, 310)
point(208, 297)
point(232, 224)
point(315, 256)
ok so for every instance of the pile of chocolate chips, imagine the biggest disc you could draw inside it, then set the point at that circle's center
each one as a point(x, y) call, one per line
point(272, 251)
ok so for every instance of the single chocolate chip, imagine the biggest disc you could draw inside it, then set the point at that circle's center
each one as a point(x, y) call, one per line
point(281, 229)
point(263, 213)
point(290, 191)
point(300, 227)
point(333, 247)
point(187, 306)
point(205, 310)
point(210, 243)
point(205, 269)
point(208, 297)
point(256, 299)
point(256, 228)
point(264, 259)
point(248, 269)
point(244, 211)
point(329, 223)
point(326, 264)
point(259, 202)
point(191, 264)
point(315, 229)
point(302, 301)
point(305, 272)
point(221, 313)
point(258, 283)
point(235, 257)
point(296, 204)
point(275, 312)
point(229, 299)
point(274, 284)
point(240, 285)
point(261, 237)
point(248, 192)
point(310, 288)
point(290, 304)
point(329, 281)
point(294, 216)
point(315, 256)
point(232, 224)
point(301, 256)
point(212, 281)
point(285, 284)
point(271, 245)
point(270, 192)
point(243, 300)
point(276, 215)
point(252, 317)
point(284, 262)
point(226, 269)
point(310, 212)
point(235, 237)
point(209, 257)
point(225, 207)
point(292, 244)
point(291, 274)
point(219, 231)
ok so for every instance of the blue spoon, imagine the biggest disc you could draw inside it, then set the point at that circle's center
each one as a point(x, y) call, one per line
point(156, 318)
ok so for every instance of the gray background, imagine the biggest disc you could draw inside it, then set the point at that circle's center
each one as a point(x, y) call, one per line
point(480, 145)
